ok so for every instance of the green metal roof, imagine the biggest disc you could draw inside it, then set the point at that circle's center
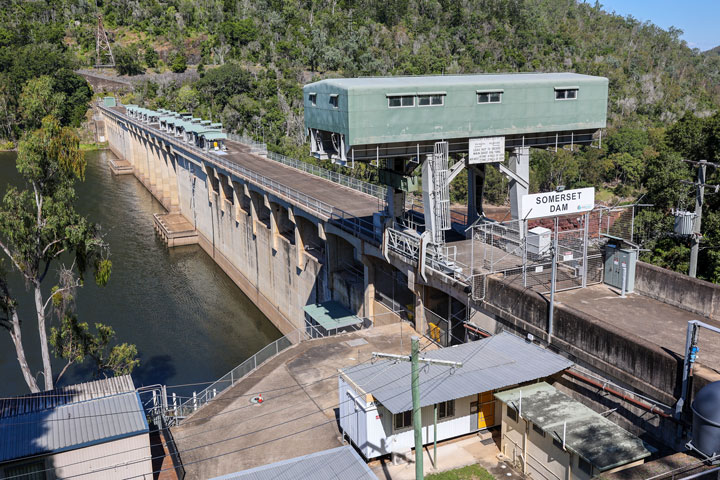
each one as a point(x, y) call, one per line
point(331, 315)
point(409, 83)
point(214, 135)
point(587, 433)
point(528, 106)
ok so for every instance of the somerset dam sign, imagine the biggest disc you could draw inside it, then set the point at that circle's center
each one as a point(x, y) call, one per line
point(550, 204)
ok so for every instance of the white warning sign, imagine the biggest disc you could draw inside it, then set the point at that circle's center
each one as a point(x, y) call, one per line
point(486, 150)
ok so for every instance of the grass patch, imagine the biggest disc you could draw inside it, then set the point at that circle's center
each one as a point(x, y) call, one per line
point(89, 147)
point(471, 472)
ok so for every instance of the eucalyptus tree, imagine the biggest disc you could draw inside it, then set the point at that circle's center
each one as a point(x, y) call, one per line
point(39, 228)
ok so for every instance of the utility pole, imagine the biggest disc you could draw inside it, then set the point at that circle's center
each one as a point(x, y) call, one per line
point(415, 385)
point(699, 202)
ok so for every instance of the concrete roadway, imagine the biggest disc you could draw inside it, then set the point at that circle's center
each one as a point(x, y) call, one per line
point(298, 415)
point(350, 200)
point(657, 322)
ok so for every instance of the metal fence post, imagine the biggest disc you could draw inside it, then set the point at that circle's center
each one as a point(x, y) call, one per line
point(553, 280)
point(585, 246)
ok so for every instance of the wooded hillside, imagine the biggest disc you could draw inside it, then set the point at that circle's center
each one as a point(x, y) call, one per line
point(254, 57)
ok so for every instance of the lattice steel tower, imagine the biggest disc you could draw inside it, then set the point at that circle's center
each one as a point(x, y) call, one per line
point(104, 57)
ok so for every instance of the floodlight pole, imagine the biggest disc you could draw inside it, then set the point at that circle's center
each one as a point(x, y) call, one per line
point(415, 360)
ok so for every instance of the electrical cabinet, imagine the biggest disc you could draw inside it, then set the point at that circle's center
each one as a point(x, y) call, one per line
point(615, 259)
point(539, 240)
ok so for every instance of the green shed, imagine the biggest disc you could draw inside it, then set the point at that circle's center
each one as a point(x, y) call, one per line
point(384, 117)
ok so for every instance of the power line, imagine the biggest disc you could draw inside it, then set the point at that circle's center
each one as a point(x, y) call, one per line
point(164, 444)
point(266, 442)
point(299, 386)
point(177, 452)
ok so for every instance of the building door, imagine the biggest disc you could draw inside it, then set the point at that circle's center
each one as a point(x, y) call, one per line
point(486, 412)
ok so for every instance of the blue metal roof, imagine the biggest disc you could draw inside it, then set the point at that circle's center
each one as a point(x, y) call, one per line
point(31, 425)
point(488, 364)
point(336, 464)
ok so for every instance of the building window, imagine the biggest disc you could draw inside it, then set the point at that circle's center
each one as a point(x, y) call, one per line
point(585, 466)
point(489, 97)
point(512, 413)
point(334, 101)
point(566, 93)
point(431, 100)
point(27, 471)
point(557, 443)
point(403, 420)
point(313, 99)
point(538, 430)
point(446, 409)
point(401, 101)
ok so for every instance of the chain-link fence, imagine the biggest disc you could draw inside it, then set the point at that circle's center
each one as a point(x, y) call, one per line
point(522, 252)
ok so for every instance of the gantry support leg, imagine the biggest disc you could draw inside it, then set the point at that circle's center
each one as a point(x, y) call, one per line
point(476, 186)
point(519, 164)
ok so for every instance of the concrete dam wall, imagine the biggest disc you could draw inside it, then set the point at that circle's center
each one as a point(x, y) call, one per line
point(278, 254)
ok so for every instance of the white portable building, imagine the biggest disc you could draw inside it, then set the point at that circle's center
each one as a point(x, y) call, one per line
point(376, 402)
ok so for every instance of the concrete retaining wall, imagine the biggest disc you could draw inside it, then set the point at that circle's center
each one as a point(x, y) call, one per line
point(679, 290)
point(589, 341)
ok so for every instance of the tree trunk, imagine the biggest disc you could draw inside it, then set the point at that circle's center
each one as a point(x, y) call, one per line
point(42, 331)
point(16, 336)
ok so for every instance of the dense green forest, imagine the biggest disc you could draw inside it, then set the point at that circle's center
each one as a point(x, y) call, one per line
point(253, 57)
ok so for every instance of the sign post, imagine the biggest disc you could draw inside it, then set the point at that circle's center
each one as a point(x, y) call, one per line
point(554, 204)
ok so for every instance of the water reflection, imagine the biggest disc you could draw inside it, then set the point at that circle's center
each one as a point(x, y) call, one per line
point(189, 321)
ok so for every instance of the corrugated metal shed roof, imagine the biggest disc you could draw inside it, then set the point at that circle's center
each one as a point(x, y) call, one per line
point(587, 433)
point(488, 364)
point(340, 463)
point(35, 402)
point(69, 418)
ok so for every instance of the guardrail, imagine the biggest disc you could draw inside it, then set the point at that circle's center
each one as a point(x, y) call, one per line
point(343, 219)
point(376, 191)
point(176, 411)
point(256, 147)
point(192, 404)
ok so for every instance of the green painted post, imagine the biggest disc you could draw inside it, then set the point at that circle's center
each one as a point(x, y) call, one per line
point(417, 413)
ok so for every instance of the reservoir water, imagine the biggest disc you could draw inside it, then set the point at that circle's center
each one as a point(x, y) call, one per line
point(189, 321)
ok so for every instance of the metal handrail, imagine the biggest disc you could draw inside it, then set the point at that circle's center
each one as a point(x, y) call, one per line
point(236, 374)
point(341, 218)
point(270, 351)
point(376, 191)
